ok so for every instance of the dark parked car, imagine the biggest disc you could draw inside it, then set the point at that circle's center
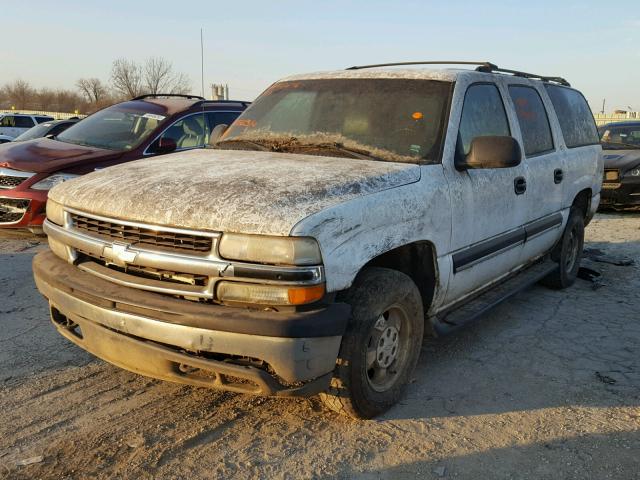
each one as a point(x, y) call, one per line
point(146, 126)
point(51, 129)
point(621, 182)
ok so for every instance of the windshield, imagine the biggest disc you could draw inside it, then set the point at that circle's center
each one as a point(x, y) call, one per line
point(119, 127)
point(620, 136)
point(35, 132)
point(396, 120)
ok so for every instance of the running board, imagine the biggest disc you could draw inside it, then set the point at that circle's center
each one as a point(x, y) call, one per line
point(472, 310)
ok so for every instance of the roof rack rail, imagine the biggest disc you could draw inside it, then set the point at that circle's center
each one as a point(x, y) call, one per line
point(157, 95)
point(442, 62)
point(244, 103)
point(516, 73)
point(486, 67)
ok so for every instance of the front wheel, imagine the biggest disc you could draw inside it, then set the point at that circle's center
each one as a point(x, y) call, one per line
point(381, 346)
point(568, 253)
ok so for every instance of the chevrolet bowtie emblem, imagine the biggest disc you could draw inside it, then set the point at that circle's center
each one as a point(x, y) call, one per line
point(119, 254)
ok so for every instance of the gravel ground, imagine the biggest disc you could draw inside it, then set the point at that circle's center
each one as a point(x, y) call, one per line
point(546, 386)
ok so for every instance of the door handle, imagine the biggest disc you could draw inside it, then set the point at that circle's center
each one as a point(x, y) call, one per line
point(558, 175)
point(520, 185)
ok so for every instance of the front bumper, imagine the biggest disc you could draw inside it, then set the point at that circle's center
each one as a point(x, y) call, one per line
point(621, 195)
point(193, 343)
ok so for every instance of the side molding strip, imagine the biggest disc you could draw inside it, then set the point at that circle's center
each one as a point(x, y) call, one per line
point(489, 248)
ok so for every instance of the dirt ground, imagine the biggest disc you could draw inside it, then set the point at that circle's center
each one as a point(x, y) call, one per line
point(547, 386)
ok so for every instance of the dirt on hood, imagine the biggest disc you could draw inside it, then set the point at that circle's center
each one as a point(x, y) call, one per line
point(230, 190)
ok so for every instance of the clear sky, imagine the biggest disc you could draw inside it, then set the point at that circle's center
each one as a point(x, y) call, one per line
point(249, 44)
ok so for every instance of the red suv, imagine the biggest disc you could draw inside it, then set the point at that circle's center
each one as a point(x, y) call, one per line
point(146, 126)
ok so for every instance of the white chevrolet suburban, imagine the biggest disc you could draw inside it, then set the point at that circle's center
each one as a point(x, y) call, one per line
point(338, 219)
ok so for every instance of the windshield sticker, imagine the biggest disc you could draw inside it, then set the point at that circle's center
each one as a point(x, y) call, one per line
point(415, 149)
point(245, 122)
point(153, 116)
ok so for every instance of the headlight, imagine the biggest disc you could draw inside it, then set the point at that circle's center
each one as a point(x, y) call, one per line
point(54, 212)
point(52, 180)
point(268, 294)
point(634, 173)
point(273, 250)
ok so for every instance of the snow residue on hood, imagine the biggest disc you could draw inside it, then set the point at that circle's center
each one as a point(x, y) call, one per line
point(229, 190)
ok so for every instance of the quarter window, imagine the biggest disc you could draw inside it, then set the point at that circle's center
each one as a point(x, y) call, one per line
point(533, 120)
point(575, 117)
point(483, 115)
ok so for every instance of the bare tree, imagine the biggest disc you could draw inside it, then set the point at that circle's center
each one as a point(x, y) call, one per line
point(126, 77)
point(92, 89)
point(159, 77)
point(19, 93)
point(46, 99)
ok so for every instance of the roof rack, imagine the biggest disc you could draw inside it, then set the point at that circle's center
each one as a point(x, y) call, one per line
point(485, 67)
point(157, 95)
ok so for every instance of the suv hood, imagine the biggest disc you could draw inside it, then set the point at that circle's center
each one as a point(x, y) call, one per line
point(621, 159)
point(229, 190)
point(44, 155)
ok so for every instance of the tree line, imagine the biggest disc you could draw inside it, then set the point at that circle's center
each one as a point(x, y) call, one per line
point(127, 79)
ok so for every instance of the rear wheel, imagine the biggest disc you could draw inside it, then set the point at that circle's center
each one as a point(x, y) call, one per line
point(568, 253)
point(381, 346)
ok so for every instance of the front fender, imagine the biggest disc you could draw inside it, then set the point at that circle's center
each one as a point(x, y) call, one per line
point(352, 233)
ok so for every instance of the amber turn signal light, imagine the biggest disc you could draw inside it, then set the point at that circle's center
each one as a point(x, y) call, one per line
point(302, 295)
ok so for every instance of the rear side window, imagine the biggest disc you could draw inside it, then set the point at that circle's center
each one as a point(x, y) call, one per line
point(483, 115)
point(575, 117)
point(43, 119)
point(533, 120)
point(216, 118)
point(24, 122)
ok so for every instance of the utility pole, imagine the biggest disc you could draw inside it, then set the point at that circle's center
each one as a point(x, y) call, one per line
point(603, 102)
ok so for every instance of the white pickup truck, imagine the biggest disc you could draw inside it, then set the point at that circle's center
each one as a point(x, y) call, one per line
point(339, 218)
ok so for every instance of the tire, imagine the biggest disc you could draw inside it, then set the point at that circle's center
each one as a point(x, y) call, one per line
point(381, 346)
point(567, 253)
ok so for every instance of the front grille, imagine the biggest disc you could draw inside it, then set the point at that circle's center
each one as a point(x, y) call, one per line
point(611, 175)
point(12, 209)
point(140, 236)
point(150, 273)
point(7, 181)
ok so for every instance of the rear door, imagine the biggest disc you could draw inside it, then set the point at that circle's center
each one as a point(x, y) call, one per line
point(544, 168)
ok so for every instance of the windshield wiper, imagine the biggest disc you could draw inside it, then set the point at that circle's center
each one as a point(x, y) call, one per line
point(360, 153)
point(256, 145)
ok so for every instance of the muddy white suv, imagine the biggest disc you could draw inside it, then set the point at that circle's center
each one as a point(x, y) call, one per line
point(339, 218)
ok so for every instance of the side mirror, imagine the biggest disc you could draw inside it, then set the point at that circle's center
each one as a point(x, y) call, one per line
point(216, 133)
point(165, 145)
point(491, 152)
